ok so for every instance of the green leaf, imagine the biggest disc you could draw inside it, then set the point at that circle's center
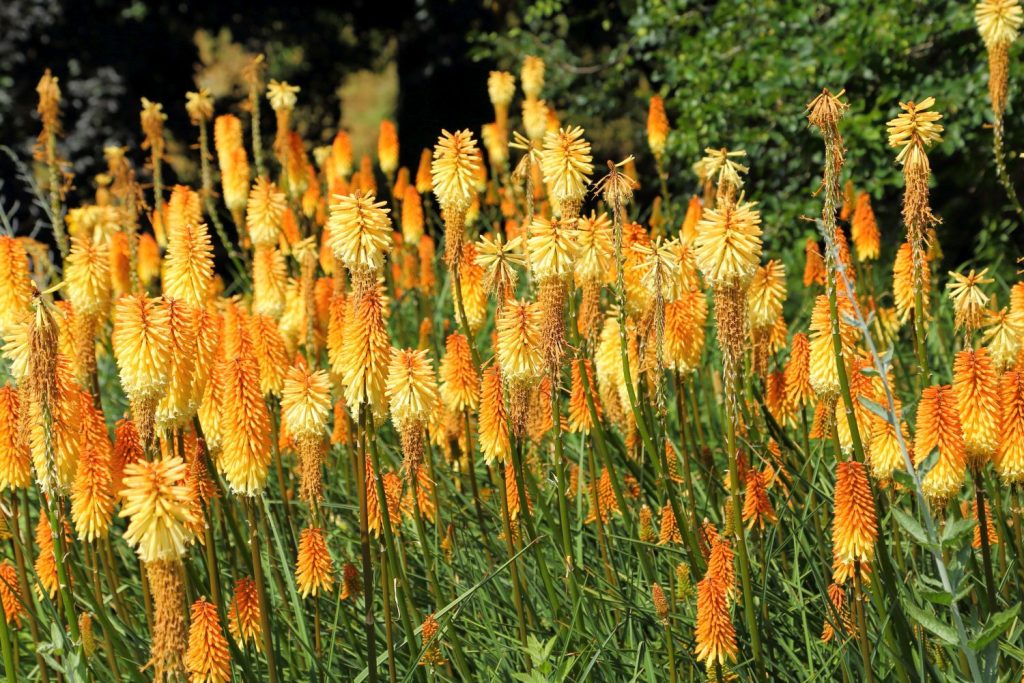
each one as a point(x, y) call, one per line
point(931, 623)
point(995, 626)
point(903, 477)
point(956, 530)
point(912, 527)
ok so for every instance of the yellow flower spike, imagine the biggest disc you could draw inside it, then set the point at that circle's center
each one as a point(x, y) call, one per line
point(157, 505)
point(360, 234)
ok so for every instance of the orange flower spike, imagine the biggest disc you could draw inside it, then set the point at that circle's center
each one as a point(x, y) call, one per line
point(938, 426)
point(15, 457)
point(244, 613)
point(459, 383)
point(207, 658)
point(757, 507)
point(314, 571)
point(975, 385)
point(1009, 458)
point(854, 528)
point(715, 635)
point(493, 420)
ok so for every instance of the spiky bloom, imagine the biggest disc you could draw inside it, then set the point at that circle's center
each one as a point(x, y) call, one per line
point(453, 173)
point(595, 249)
point(903, 283)
point(15, 285)
point(721, 558)
point(244, 613)
point(501, 88)
point(884, 452)
point(428, 277)
point(532, 76)
point(269, 282)
point(535, 119)
point(92, 498)
point(264, 211)
point(864, 229)
point(412, 216)
point(367, 351)
point(657, 126)
point(87, 276)
point(854, 528)
point(684, 331)
point(188, 267)
point(493, 419)
point(668, 532)
point(246, 425)
point(179, 402)
point(824, 371)
point(499, 260)
point(580, 419)
point(305, 408)
point(10, 595)
point(474, 294)
point(54, 445)
point(15, 460)
point(314, 569)
point(424, 182)
point(799, 391)
point(814, 264)
point(975, 384)
point(728, 243)
point(661, 607)
point(721, 166)
point(757, 507)
point(519, 341)
point(387, 147)
point(913, 131)
point(715, 636)
point(938, 426)
point(45, 565)
point(566, 164)
point(837, 597)
point(360, 233)
point(431, 643)
point(1003, 335)
point(232, 160)
point(998, 22)
point(459, 381)
point(207, 659)
point(157, 503)
point(1009, 457)
point(183, 208)
point(413, 397)
point(969, 301)
point(141, 347)
point(765, 298)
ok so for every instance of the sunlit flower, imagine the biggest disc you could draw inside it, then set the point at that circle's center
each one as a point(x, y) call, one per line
point(314, 569)
point(1009, 457)
point(938, 427)
point(969, 301)
point(854, 527)
point(207, 659)
point(157, 503)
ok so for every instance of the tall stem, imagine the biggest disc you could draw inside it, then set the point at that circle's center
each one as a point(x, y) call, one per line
point(364, 543)
point(262, 599)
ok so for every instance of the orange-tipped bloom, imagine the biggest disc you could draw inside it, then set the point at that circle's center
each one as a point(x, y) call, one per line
point(244, 613)
point(854, 527)
point(454, 169)
point(188, 267)
point(903, 289)
point(306, 403)
point(157, 502)
point(459, 382)
point(411, 388)
point(580, 419)
point(140, 340)
point(360, 232)
point(264, 211)
point(814, 264)
point(412, 216)
point(566, 164)
point(728, 244)
point(799, 392)
point(92, 496)
point(975, 385)
point(715, 635)
point(15, 284)
point(864, 229)
point(314, 569)
point(824, 371)
point(1003, 335)
point(207, 658)
point(657, 126)
point(15, 460)
point(969, 301)
point(519, 341)
point(246, 448)
point(493, 422)
point(757, 507)
point(10, 595)
point(269, 282)
point(938, 426)
point(1009, 458)
point(387, 147)
point(179, 402)
point(87, 276)
point(367, 351)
